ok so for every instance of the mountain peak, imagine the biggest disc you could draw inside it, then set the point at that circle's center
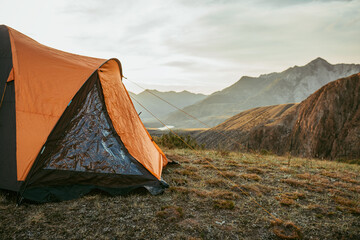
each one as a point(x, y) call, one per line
point(319, 61)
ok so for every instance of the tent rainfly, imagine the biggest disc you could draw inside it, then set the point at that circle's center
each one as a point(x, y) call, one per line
point(68, 126)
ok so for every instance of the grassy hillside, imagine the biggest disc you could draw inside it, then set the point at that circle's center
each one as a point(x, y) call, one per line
point(320, 197)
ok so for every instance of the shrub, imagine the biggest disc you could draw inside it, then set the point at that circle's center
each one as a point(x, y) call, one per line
point(264, 152)
point(172, 141)
point(349, 161)
point(222, 150)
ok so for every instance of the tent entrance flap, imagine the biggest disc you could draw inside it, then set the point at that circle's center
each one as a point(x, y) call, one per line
point(89, 143)
point(126, 120)
point(85, 149)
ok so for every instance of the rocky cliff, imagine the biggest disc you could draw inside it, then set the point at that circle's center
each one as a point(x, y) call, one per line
point(325, 125)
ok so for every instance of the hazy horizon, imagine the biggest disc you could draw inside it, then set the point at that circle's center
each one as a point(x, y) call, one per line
point(200, 46)
point(152, 89)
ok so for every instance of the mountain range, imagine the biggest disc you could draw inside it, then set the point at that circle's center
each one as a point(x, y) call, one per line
point(324, 125)
point(290, 86)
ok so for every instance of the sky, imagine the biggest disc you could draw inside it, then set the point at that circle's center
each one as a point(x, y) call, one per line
point(200, 46)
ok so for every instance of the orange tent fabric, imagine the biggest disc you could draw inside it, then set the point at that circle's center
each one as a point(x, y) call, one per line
point(126, 120)
point(46, 82)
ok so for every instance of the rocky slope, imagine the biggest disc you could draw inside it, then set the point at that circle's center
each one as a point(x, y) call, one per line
point(292, 85)
point(325, 125)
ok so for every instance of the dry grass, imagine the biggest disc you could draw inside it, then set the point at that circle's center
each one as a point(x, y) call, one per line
point(35, 217)
point(317, 200)
point(286, 230)
point(304, 176)
point(255, 170)
point(224, 194)
point(254, 177)
point(256, 188)
point(224, 204)
point(179, 181)
point(219, 183)
point(289, 198)
point(345, 201)
point(294, 182)
point(207, 166)
point(170, 213)
point(286, 201)
point(294, 195)
point(355, 189)
point(286, 170)
point(228, 174)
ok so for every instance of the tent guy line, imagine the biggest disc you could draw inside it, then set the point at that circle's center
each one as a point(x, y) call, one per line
point(240, 145)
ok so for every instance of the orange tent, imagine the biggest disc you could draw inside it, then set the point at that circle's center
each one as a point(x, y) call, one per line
point(67, 125)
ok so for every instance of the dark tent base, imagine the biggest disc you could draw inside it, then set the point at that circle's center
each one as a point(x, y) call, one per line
point(63, 193)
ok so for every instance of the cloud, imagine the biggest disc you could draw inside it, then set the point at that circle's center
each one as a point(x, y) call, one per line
point(208, 44)
point(238, 32)
point(286, 3)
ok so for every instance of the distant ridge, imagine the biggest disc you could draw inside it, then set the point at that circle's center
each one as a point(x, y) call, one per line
point(325, 125)
point(290, 86)
point(161, 108)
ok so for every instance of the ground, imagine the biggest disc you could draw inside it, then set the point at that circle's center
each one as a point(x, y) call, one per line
point(240, 199)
